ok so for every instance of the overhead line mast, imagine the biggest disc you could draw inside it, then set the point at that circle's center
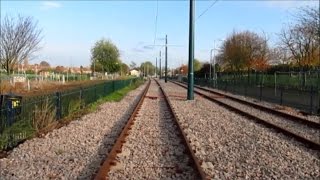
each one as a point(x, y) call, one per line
point(190, 93)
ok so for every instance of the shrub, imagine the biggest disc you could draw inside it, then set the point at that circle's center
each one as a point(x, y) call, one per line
point(44, 117)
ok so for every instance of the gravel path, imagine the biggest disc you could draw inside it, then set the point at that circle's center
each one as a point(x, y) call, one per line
point(71, 152)
point(311, 133)
point(153, 149)
point(234, 147)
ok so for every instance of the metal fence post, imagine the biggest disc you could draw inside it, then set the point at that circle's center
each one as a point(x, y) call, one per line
point(10, 114)
point(245, 89)
point(81, 97)
point(226, 86)
point(281, 96)
point(311, 100)
point(318, 111)
point(260, 96)
point(95, 92)
point(105, 88)
point(58, 105)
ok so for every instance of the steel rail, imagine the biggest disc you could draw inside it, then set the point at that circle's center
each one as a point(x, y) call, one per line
point(267, 109)
point(110, 160)
point(195, 162)
point(309, 143)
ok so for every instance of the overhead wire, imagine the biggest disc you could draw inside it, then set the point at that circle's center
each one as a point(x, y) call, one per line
point(156, 25)
point(207, 9)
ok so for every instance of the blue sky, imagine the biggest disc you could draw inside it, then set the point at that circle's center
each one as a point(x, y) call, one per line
point(70, 28)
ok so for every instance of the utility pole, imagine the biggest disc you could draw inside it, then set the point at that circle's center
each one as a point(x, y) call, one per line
point(190, 95)
point(210, 63)
point(160, 65)
point(156, 68)
point(166, 63)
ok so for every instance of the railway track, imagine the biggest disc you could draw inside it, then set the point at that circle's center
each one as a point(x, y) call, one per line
point(303, 130)
point(152, 145)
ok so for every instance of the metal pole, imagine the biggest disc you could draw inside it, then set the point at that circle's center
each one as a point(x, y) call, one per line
point(160, 65)
point(190, 95)
point(94, 68)
point(214, 62)
point(210, 64)
point(166, 62)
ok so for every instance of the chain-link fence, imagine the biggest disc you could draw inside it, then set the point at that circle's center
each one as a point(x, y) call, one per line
point(20, 117)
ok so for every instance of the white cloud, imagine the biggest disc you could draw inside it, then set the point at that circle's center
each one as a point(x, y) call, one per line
point(50, 5)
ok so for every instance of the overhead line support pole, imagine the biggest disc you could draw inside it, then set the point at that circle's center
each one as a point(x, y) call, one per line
point(190, 93)
point(166, 61)
point(160, 65)
point(156, 68)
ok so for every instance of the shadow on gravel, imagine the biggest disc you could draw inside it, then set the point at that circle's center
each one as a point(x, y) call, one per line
point(108, 141)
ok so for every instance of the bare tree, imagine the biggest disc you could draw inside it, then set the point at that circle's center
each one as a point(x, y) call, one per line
point(20, 38)
point(279, 55)
point(244, 51)
point(302, 38)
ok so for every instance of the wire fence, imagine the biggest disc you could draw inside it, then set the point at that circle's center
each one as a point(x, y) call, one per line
point(293, 80)
point(19, 121)
point(306, 98)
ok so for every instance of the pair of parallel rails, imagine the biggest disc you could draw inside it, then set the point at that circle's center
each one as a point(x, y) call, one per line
point(215, 97)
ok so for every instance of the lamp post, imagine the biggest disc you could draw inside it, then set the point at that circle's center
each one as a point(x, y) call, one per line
point(214, 60)
point(210, 64)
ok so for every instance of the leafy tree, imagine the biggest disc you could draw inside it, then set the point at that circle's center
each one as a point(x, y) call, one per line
point(96, 67)
point(203, 72)
point(197, 65)
point(81, 69)
point(44, 64)
point(148, 68)
point(106, 54)
point(124, 69)
point(59, 69)
point(183, 69)
point(19, 39)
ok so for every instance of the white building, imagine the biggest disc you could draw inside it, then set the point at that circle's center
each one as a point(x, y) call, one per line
point(135, 72)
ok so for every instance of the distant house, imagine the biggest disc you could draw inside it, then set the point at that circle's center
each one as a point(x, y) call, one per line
point(135, 72)
point(86, 70)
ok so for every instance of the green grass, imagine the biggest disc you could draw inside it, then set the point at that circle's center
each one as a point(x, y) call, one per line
point(115, 96)
point(19, 131)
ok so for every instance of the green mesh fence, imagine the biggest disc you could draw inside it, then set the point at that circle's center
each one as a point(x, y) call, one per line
point(306, 99)
point(21, 122)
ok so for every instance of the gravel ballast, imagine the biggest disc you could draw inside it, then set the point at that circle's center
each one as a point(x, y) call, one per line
point(285, 109)
point(153, 148)
point(233, 147)
point(74, 151)
point(308, 132)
